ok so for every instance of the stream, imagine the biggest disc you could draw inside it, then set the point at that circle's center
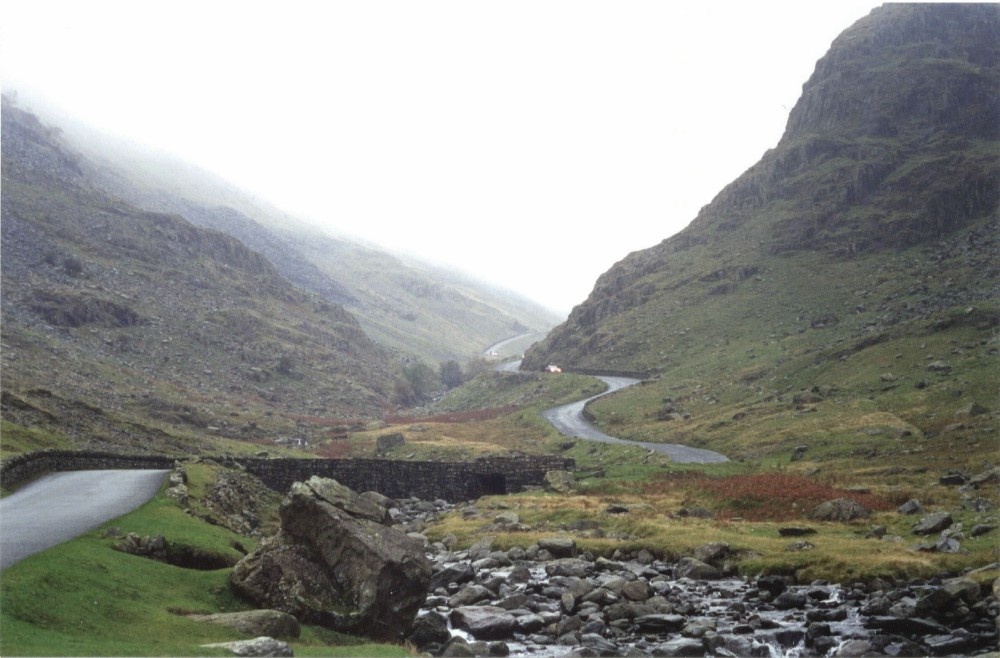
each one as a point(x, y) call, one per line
point(549, 599)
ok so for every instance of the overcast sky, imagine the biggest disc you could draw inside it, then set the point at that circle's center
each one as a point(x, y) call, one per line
point(531, 143)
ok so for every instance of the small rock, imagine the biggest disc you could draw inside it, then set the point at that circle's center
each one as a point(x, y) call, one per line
point(637, 590)
point(507, 518)
point(788, 600)
point(713, 553)
point(660, 623)
point(558, 546)
point(932, 523)
point(796, 531)
point(972, 409)
point(259, 646)
point(485, 622)
point(429, 629)
point(270, 623)
point(688, 567)
point(952, 480)
point(681, 647)
point(853, 648)
point(840, 509)
point(990, 476)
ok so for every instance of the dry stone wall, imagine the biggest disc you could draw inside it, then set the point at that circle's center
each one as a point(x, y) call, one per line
point(451, 481)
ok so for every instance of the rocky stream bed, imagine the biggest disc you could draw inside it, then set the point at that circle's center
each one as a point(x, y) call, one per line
point(550, 599)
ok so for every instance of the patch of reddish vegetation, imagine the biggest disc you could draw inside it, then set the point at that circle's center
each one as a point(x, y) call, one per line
point(455, 416)
point(767, 496)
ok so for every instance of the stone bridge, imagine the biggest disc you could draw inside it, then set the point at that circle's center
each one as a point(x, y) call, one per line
point(451, 481)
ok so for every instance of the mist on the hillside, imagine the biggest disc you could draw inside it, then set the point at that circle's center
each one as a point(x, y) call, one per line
point(531, 145)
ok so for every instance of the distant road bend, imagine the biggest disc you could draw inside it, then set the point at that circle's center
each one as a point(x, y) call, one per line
point(60, 506)
point(569, 420)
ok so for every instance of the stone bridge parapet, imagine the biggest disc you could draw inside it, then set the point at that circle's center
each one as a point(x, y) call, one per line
point(451, 481)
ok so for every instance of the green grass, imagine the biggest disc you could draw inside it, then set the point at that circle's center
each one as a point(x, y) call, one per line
point(83, 598)
point(15, 439)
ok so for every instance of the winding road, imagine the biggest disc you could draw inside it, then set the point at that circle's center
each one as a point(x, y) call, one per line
point(60, 506)
point(569, 420)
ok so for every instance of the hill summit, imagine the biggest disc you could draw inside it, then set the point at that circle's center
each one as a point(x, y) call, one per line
point(846, 283)
point(892, 145)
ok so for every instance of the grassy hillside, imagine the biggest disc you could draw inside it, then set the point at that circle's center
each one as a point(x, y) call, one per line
point(411, 306)
point(131, 329)
point(843, 288)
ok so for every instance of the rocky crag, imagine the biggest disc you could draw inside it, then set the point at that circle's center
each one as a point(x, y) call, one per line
point(893, 145)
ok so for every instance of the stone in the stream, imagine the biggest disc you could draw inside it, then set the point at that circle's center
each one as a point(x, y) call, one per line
point(688, 567)
point(428, 630)
point(854, 648)
point(484, 622)
point(660, 623)
point(790, 601)
point(681, 646)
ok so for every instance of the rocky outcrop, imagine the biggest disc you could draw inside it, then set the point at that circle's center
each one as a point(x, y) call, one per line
point(336, 563)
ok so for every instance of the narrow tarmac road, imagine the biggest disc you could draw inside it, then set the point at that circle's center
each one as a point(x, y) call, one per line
point(569, 420)
point(60, 506)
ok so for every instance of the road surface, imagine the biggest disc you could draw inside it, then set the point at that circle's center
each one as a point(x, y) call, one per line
point(569, 420)
point(60, 506)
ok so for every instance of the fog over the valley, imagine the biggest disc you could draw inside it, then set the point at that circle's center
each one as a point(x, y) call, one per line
point(531, 144)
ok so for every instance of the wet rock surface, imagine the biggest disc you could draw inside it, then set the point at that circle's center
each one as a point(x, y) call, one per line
point(337, 563)
point(550, 599)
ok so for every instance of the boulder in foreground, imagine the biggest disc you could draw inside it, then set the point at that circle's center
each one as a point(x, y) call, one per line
point(336, 564)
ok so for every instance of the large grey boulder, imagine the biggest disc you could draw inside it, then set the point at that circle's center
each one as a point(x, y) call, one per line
point(334, 564)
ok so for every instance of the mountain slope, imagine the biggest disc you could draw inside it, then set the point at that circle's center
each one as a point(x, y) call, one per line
point(867, 236)
point(127, 329)
point(417, 308)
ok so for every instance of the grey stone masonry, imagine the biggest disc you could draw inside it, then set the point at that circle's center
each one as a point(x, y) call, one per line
point(451, 481)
